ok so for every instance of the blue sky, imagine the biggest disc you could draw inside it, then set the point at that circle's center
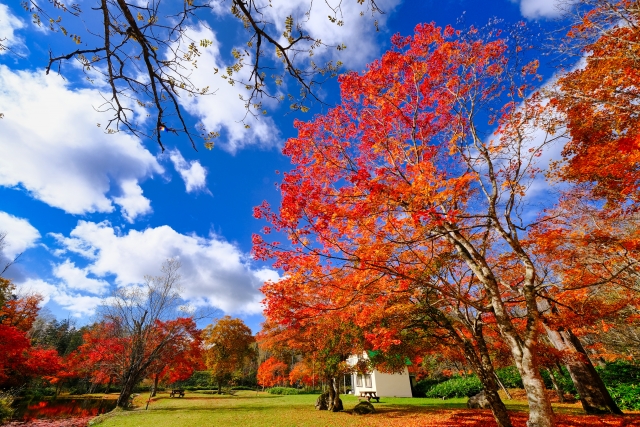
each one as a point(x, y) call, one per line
point(91, 211)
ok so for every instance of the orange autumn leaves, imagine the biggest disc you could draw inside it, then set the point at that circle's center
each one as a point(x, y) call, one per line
point(401, 181)
point(600, 102)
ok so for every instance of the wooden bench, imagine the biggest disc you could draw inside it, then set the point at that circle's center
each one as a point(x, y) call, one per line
point(368, 395)
point(176, 392)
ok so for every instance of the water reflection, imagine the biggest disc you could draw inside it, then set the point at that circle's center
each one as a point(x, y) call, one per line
point(62, 408)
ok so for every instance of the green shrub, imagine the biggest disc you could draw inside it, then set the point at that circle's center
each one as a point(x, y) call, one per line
point(456, 387)
point(243, 387)
point(200, 379)
point(6, 400)
point(37, 393)
point(311, 391)
point(423, 386)
point(510, 377)
point(627, 396)
point(623, 382)
point(619, 372)
point(283, 390)
point(565, 382)
point(546, 378)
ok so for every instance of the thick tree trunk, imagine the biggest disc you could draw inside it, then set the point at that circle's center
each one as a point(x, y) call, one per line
point(594, 396)
point(336, 402)
point(156, 379)
point(125, 394)
point(540, 412)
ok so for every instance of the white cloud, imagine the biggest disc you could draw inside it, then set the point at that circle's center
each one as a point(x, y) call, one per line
point(224, 111)
point(79, 305)
point(533, 9)
point(214, 272)
point(9, 24)
point(132, 202)
point(193, 173)
point(76, 278)
point(21, 235)
point(53, 148)
point(358, 32)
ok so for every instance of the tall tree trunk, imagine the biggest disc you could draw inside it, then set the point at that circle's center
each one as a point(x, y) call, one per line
point(332, 394)
point(487, 375)
point(594, 396)
point(479, 358)
point(336, 403)
point(540, 411)
point(156, 379)
point(521, 346)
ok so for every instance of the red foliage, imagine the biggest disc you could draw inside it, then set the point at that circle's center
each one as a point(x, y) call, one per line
point(104, 352)
point(600, 103)
point(272, 372)
point(19, 361)
point(304, 374)
point(182, 356)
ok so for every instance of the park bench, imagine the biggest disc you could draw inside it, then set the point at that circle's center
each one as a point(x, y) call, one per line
point(368, 395)
point(177, 392)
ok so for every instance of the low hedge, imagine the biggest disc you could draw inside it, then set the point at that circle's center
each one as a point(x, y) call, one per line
point(456, 387)
point(283, 390)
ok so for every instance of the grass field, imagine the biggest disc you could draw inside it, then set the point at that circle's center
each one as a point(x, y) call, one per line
point(251, 409)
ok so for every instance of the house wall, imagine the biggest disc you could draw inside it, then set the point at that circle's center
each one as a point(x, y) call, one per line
point(392, 385)
point(385, 385)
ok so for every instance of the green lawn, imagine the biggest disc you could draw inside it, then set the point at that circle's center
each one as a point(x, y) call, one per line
point(251, 409)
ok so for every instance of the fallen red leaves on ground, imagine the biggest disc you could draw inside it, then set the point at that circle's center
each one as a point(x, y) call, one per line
point(65, 422)
point(481, 418)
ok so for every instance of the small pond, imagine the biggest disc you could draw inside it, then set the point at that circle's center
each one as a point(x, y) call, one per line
point(61, 408)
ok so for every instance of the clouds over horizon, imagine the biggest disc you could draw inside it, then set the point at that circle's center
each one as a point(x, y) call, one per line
point(214, 272)
point(60, 156)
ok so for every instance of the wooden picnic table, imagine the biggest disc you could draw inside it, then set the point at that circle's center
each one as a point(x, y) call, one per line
point(369, 395)
point(177, 392)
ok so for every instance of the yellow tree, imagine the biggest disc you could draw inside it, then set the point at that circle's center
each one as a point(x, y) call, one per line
point(228, 346)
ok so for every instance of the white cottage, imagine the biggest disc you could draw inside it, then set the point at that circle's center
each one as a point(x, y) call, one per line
point(385, 385)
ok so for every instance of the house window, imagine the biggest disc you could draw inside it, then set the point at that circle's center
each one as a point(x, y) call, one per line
point(367, 381)
point(359, 381)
